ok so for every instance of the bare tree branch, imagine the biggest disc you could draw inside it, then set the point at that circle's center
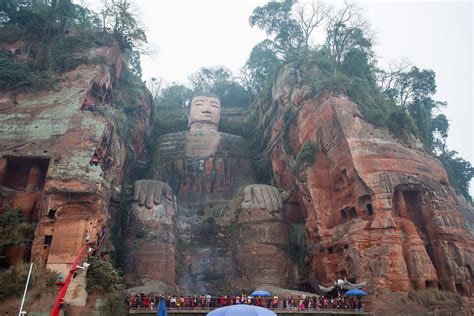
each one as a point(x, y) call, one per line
point(312, 18)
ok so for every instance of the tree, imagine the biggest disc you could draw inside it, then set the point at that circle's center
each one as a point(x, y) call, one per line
point(432, 130)
point(206, 78)
point(122, 20)
point(260, 67)
point(346, 31)
point(310, 19)
point(277, 20)
point(460, 172)
point(175, 96)
point(439, 132)
point(14, 230)
point(386, 79)
point(221, 82)
point(415, 84)
point(155, 85)
point(357, 64)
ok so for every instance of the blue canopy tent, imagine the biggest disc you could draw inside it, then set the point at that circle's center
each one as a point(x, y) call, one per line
point(241, 310)
point(355, 292)
point(261, 293)
point(162, 308)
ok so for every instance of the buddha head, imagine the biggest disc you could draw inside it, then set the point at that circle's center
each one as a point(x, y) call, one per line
point(205, 113)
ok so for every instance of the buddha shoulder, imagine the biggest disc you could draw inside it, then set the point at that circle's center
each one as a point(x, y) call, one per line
point(201, 143)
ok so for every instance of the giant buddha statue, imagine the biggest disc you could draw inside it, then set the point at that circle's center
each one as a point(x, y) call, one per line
point(227, 231)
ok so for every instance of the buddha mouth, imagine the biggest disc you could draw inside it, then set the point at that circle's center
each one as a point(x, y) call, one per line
point(206, 112)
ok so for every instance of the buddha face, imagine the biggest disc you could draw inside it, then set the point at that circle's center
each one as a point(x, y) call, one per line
point(205, 110)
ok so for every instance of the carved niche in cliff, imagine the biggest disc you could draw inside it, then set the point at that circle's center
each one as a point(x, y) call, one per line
point(22, 181)
point(206, 170)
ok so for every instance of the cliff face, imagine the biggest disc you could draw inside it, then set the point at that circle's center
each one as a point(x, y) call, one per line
point(62, 158)
point(375, 209)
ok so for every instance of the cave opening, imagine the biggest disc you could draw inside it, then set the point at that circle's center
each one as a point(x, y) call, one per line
point(344, 215)
point(352, 213)
point(48, 239)
point(370, 209)
point(348, 213)
point(408, 203)
point(23, 171)
point(365, 203)
point(460, 289)
point(51, 214)
point(413, 201)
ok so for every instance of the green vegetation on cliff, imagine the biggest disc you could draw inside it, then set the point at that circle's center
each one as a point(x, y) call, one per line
point(14, 230)
point(297, 243)
point(48, 38)
point(219, 81)
point(400, 98)
point(52, 37)
point(13, 280)
point(305, 157)
point(104, 278)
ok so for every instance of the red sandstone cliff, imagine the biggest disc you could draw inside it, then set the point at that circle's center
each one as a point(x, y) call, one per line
point(47, 143)
point(375, 208)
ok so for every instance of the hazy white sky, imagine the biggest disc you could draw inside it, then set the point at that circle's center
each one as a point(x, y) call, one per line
point(438, 35)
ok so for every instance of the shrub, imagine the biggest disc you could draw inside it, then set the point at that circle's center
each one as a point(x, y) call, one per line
point(99, 60)
point(460, 172)
point(305, 157)
point(373, 105)
point(11, 33)
point(13, 280)
point(102, 276)
point(114, 304)
point(140, 233)
point(13, 74)
point(13, 228)
point(399, 122)
point(296, 242)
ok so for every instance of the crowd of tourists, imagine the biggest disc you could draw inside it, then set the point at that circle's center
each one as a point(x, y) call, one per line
point(318, 302)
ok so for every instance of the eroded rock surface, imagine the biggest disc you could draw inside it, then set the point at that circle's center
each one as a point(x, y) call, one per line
point(52, 159)
point(377, 209)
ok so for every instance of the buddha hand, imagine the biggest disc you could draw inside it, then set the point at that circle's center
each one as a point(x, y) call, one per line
point(262, 196)
point(151, 192)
